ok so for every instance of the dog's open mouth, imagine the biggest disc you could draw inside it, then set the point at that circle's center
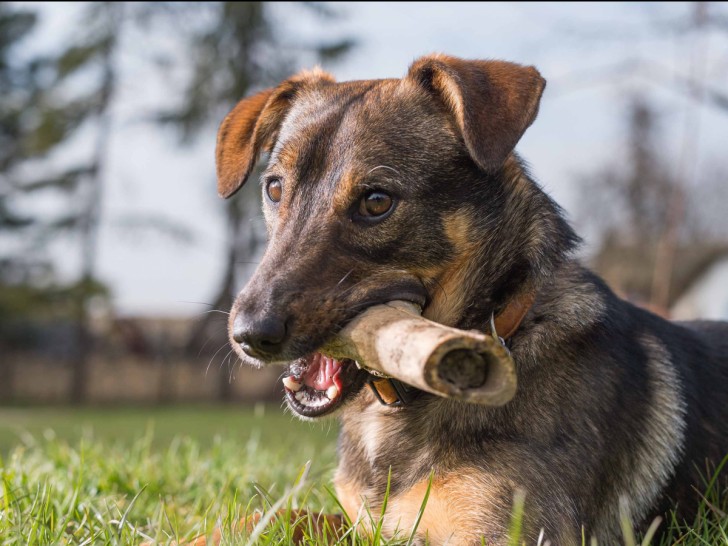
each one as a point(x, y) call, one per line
point(316, 385)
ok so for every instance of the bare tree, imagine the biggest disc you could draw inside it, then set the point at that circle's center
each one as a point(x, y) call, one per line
point(33, 123)
point(93, 52)
point(650, 201)
point(629, 199)
point(667, 245)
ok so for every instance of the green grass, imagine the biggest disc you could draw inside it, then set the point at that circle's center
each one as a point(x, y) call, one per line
point(123, 476)
point(267, 424)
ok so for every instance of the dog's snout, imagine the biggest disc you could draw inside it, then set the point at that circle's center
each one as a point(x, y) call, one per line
point(239, 329)
point(260, 337)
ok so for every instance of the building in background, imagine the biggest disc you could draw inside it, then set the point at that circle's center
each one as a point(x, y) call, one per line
point(706, 297)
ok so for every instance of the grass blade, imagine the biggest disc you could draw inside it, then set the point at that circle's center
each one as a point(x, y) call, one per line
point(421, 511)
point(514, 531)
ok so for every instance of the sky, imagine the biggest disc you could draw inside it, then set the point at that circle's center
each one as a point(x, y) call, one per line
point(576, 47)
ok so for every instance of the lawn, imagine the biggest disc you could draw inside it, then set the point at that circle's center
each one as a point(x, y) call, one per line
point(125, 476)
point(268, 425)
point(122, 476)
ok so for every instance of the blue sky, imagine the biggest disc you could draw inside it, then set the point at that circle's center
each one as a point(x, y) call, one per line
point(579, 128)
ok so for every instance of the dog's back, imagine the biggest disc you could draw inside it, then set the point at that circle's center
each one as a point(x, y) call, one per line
point(700, 352)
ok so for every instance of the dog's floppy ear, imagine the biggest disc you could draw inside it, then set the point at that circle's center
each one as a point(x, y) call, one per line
point(493, 102)
point(252, 126)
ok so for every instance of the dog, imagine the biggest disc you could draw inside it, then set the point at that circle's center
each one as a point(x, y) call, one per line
point(410, 189)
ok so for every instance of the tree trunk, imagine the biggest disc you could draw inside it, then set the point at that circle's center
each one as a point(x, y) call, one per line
point(224, 301)
point(686, 168)
point(166, 362)
point(7, 379)
point(79, 371)
point(210, 333)
point(91, 215)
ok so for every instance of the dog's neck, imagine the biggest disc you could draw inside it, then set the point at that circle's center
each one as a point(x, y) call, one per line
point(534, 242)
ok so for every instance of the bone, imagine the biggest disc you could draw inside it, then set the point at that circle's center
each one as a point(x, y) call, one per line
point(394, 340)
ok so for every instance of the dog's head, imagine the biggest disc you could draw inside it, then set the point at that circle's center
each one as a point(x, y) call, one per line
point(375, 191)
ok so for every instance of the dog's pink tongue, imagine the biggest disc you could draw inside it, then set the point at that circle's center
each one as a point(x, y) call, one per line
point(322, 373)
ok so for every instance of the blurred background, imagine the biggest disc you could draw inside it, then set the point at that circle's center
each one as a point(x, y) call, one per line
point(118, 262)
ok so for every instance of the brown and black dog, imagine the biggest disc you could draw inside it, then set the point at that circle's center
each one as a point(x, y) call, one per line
point(409, 189)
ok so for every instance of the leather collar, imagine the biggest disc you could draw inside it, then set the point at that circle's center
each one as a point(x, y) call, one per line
point(392, 392)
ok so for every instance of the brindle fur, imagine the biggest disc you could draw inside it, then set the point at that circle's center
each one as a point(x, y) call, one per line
point(613, 402)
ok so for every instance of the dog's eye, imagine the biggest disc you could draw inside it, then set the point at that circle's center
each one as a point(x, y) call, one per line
point(274, 189)
point(375, 203)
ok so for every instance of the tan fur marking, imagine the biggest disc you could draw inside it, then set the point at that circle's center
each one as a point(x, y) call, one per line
point(437, 523)
point(349, 495)
point(344, 191)
point(453, 513)
point(449, 283)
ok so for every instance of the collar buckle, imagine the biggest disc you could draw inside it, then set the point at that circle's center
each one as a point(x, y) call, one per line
point(391, 392)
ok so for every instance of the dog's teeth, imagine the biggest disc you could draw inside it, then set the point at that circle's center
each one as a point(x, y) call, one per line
point(332, 392)
point(299, 396)
point(291, 384)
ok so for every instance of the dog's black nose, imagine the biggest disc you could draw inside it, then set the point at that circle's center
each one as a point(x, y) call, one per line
point(262, 337)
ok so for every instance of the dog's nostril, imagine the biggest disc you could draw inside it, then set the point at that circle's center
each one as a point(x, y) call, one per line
point(264, 336)
point(270, 332)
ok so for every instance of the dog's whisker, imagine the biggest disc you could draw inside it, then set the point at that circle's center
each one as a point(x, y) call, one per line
point(231, 368)
point(199, 353)
point(196, 302)
point(227, 313)
point(353, 287)
point(207, 369)
point(344, 277)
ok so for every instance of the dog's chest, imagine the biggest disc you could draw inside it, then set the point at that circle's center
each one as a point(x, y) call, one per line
point(380, 449)
point(380, 433)
point(376, 438)
point(381, 445)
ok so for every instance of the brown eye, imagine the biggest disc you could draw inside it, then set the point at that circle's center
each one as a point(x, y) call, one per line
point(375, 203)
point(274, 190)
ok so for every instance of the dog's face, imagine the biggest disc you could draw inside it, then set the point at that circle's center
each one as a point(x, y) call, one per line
point(371, 194)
